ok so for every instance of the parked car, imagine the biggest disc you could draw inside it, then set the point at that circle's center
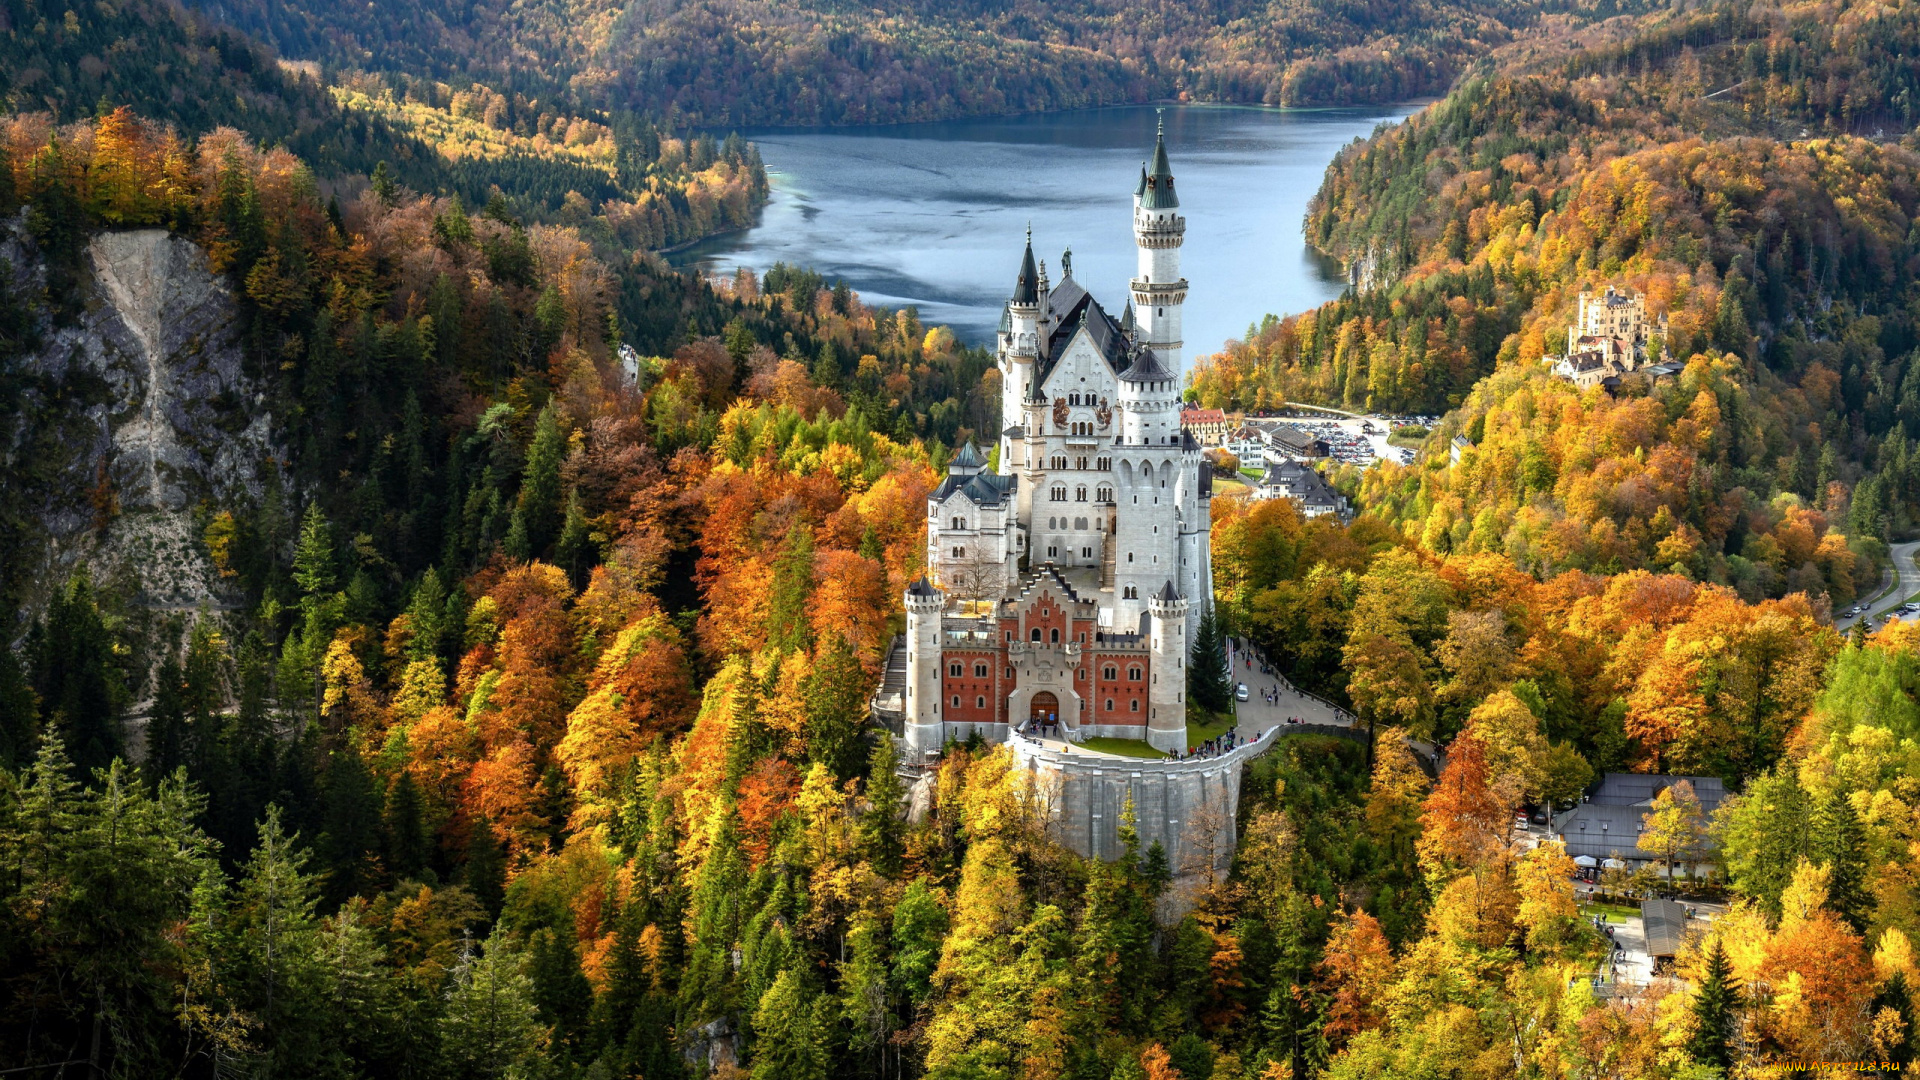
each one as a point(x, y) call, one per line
point(1240, 692)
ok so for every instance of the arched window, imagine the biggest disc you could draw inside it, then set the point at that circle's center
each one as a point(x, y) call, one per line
point(1059, 494)
point(980, 702)
point(1129, 556)
point(1110, 674)
point(1079, 523)
point(953, 670)
point(980, 671)
point(1104, 495)
point(1109, 704)
point(1036, 633)
point(1054, 634)
point(959, 523)
point(1080, 493)
point(1134, 704)
point(1133, 674)
point(956, 701)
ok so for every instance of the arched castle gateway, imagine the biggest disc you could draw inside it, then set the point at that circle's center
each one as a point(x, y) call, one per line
point(1065, 585)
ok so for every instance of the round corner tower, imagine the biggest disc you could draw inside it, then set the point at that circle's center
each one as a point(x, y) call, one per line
point(1167, 696)
point(923, 729)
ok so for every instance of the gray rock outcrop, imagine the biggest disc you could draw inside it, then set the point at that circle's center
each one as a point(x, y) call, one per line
point(179, 428)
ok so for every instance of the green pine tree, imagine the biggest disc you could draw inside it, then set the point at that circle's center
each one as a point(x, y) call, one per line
point(81, 690)
point(788, 625)
point(1838, 840)
point(491, 1028)
point(485, 874)
point(537, 515)
point(837, 710)
point(789, 1044)
point(883, 826)
point(1713, 1011)
point(1209, 687)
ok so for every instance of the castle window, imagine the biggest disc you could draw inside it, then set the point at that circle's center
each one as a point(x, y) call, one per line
point(980, 671)
point(1036, 633)
point(1133, 674)
point(1105, 463)
point(1058, 494)
point(956, 701)
point(1104, 495)
point(1109, 704)
point(1086, 553)
point(1054, 634)
point(1110, 673)
point(959, 523)
point(980, 702)
point(1053, 551)
point(1079, 523)
point(953, 670)
point(1080, 493)
point(1009, 673)
point(1134, 705)
point(959, 553)
point(1129, 556)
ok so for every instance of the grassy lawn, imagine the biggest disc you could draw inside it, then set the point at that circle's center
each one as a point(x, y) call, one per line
point(1614, 913)
point(1205, 727)
point(1253, 474)
point(1124, 748)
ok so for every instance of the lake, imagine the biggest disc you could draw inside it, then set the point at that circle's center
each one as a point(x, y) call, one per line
point(933, 215)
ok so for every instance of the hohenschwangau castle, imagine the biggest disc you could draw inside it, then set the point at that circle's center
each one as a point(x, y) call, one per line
point(1067, 578)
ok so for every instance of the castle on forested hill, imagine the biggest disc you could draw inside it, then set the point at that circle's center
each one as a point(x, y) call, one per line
point(1067, 577)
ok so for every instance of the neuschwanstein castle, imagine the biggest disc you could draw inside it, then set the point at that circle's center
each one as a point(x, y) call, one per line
point(1067, 577)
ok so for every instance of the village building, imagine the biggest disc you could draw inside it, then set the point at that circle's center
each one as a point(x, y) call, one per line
point(1209, 426)
point(1304, 485)
point(1608, 823)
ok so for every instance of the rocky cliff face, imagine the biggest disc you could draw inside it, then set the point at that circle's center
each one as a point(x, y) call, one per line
point(172, 429)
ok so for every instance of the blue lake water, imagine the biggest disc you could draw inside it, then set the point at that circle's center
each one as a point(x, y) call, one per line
point(932, 215)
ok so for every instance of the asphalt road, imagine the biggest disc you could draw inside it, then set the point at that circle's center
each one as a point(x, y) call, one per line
point(1906, 582)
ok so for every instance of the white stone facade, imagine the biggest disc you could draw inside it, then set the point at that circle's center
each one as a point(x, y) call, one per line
point(1068, 581)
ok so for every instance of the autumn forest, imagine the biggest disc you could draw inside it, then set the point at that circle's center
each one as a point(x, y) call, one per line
point(517, 723)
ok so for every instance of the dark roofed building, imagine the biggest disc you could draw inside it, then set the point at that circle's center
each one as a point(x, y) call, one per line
point(1292, 440)
point(1292, 480)
point(1607, 825)
point(1665, 923)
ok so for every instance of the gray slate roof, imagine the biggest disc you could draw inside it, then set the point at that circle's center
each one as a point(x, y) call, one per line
point(1608, 823)
point(1665, 922)
point(981, 488)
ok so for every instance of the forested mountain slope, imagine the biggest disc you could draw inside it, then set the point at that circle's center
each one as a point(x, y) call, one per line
point(1721, 161)
point(722, 62)
point(512, 722)
point(637, 187)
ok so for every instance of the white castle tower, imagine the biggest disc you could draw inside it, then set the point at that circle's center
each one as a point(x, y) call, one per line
point(1158, 231)
point(1167, 697)
point(922, 705)
point(1066, 583)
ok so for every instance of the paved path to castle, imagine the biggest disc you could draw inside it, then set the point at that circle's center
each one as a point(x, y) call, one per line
point(1257, 713)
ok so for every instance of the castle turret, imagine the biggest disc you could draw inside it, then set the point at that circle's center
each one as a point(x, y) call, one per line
point(1019, 348)
point(924, 731)
point(1158, 231)
point(1167, 696)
